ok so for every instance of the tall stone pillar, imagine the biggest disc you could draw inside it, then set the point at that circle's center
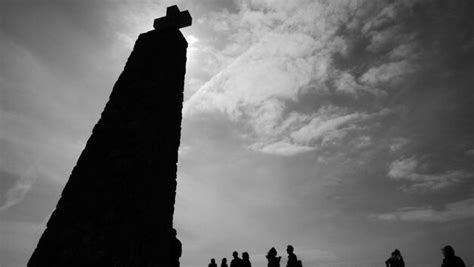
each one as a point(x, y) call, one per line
point(117, 206)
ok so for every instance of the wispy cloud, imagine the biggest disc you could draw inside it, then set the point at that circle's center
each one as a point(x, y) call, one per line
point(344, 82)
point(16, 191)
point(398, 143)
point(37, 136)
point(327, 125)
point(284, 148)
point(406, 169)
point(288, 59)
point(296, 133)
point(463, 209)
point(387, 73)
point(329, 85)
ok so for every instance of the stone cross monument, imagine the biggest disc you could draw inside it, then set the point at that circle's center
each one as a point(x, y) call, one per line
point(117, 206)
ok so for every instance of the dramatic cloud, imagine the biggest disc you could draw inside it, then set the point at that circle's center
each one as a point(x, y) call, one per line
point(284, 148)
point(346, 83)
point(327, 125)
point(407, 170)
point(265, 71)
point(453, 211)
point(398, 143)
point(388, 72)
point(16, 190)
point(296, 133)
point(342, 92)
point(288, 58)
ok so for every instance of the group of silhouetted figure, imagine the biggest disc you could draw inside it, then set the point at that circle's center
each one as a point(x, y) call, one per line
point(395, 260)
point(273, 260)
point(450, 259)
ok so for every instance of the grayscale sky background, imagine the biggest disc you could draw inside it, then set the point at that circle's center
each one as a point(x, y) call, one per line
point(345, 128)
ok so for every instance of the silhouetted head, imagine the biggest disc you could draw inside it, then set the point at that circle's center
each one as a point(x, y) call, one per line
point(272, 252)
point(289, 249)
point(448, 251)
point(245, 256)
point(213, 261)
point(235, 254)
point(224, 260)
point(396, 252)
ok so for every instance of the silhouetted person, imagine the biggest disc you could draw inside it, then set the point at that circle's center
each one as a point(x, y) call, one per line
point(213, 263)
point(450, 259)
point(292, 259)
point(224, 263)
point(273, 260)
point(245, 260)
point(176, 248)
point(395, 260)
point(236, 261)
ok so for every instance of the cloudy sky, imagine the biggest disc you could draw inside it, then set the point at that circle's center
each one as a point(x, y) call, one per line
point(345, 128)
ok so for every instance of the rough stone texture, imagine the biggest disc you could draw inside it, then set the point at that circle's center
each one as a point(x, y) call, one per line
point(117, 207)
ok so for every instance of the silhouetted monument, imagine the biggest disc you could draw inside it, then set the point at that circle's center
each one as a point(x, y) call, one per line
point(117, 206)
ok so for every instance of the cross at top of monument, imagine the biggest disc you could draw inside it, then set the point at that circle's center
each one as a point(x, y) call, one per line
point(173, 19)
